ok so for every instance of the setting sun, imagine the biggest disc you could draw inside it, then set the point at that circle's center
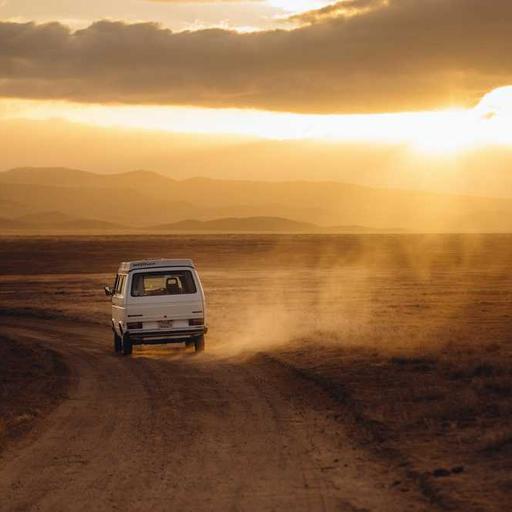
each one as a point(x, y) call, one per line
point(443, 131)
point(350, 90)
point(255, 255)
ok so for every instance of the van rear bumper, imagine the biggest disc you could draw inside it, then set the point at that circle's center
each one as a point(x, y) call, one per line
point(161, 337)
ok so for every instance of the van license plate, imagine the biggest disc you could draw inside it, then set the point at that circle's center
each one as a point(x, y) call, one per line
point(165, 323)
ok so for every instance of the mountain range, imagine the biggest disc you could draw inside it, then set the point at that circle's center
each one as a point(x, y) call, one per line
point(45, 199)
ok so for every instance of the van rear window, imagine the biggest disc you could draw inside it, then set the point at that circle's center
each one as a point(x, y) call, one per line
point(170, 282)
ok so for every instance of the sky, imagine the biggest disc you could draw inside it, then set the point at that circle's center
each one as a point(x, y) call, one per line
point(175, 15)
point(430, 75)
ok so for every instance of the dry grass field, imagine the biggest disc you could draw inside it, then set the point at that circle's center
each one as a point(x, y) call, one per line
point(409, 335)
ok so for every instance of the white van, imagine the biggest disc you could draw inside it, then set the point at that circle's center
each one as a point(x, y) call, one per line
point(157, 301)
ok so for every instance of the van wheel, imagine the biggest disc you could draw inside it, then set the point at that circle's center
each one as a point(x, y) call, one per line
point(127, 346)
point(118, 345)
point(199, 344)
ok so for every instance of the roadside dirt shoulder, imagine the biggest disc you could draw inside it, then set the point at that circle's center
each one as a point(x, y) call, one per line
point(445, 416)
point(33, 381)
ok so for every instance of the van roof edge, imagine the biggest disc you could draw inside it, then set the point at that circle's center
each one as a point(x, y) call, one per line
point(127, 266)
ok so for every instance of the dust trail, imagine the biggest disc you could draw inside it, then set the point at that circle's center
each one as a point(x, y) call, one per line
point(377, 291)
point(391, 293)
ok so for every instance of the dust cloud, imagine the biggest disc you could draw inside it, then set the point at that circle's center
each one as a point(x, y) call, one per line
point(407, 335)
point(386, 292)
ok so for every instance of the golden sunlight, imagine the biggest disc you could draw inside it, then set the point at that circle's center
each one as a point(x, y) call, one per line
point(299, 5)
point(444, 131)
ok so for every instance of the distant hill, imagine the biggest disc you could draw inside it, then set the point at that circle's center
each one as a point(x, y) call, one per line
point(56, 221)
point(259, 224)
point(234, 224)
point(90, 225)
point(64, 177)
point(59, 222)
point(45, 218)
point(59, 176)
point(143, 198)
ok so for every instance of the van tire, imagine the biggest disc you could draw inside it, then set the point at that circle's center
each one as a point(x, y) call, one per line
point(127, 346)
point(118, 344)
point(199, 344)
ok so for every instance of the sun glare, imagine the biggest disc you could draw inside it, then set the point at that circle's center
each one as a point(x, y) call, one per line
point(299, 5)
point(439, 132)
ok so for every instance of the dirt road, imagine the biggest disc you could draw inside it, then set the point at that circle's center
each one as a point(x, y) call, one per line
point(168, 430)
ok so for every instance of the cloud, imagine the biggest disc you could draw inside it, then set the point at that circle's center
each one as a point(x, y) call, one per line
point(407, 55)
point(347, 8)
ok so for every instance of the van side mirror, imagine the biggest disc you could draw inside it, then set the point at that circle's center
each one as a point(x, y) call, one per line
point(108, 291)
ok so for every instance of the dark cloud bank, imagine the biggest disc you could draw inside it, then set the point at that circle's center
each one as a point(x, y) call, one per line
point(403, 55)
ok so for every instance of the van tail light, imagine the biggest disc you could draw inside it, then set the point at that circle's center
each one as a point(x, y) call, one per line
point(196, 321)
point(134, 325)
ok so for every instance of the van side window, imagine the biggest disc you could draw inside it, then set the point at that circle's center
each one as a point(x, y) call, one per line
point(171, 282)
point(120, 280)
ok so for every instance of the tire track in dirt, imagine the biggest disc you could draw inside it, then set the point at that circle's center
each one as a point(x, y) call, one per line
point(166, 430)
